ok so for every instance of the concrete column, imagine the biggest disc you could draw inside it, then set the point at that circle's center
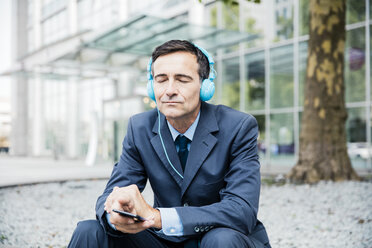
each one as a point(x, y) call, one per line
point(123, 9)
point(37, 23)
point(72, 119)
point(37, 132)
point(196, 12)
point(72, 14)
point(19, 135)
point(124, 86)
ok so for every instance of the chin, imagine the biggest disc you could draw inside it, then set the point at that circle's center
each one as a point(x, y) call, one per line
point(171, 114)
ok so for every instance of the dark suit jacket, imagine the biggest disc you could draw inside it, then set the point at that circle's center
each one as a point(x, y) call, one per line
point(221, 184)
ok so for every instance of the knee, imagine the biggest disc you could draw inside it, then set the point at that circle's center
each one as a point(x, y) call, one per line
point(87, 227)
point(87, 232)
point(222, 237)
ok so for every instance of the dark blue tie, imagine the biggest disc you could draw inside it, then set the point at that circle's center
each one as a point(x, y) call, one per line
point(181, 142)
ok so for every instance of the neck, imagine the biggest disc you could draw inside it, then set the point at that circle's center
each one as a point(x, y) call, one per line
point(183, 123)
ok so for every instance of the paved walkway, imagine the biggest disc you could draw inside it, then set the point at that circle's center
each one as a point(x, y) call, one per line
point(26, 170)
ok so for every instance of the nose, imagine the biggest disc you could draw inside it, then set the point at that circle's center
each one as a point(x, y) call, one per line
point(171, 89)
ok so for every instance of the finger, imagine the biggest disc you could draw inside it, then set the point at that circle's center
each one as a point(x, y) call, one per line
point(108, 203)
point(135, 227)
point(120, 220)
point(126, 201)
point(129, 209)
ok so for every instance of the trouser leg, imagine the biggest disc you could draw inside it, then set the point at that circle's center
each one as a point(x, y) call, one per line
point(90, 234)
point(228, 238)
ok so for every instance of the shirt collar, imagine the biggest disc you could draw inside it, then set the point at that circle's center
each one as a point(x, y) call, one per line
point(189, 132)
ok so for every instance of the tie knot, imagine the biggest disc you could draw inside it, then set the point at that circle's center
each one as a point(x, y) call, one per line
point(182, 142)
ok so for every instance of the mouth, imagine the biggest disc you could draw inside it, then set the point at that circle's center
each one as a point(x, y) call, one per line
point(170, 102)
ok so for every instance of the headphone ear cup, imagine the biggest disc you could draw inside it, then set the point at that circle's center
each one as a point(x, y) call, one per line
point(207, 90)
point(150, 89)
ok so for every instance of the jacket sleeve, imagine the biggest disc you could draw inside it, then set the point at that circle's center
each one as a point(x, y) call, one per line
point(238, 205)
point(129, 170)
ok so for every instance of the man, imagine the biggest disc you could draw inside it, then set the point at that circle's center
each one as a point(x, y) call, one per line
point(201, 161)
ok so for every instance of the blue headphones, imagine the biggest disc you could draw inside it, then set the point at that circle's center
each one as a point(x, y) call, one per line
point(207, 86)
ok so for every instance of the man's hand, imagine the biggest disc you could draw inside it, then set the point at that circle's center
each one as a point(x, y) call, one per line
point(130, 200)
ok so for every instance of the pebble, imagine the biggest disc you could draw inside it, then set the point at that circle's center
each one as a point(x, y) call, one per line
point(326, 214)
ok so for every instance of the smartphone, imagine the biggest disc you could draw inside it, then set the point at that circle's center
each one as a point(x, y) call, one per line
point(136, 218)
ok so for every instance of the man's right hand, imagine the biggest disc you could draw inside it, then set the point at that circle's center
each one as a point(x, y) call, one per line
point(130, 200)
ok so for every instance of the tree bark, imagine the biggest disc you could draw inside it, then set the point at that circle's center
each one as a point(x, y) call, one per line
point(323, 151)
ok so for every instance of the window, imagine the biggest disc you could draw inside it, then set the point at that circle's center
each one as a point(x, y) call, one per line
point(93, 14)
point(356, 137)
point(255, 22)
point(261, 136)
point(282, 139)
point(302, 72)
point(255, 81)
point(281, 77)
point(355, 65)
point(284, 21)
point(355, 11)
point(304, 15)
point(55, 27)
point(231, 83)
point(356, 125)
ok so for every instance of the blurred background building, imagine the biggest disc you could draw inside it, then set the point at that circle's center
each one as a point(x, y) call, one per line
point(79, 71)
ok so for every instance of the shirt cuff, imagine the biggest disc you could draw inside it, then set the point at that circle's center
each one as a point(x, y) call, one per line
point(108, 221)
point(171, 222)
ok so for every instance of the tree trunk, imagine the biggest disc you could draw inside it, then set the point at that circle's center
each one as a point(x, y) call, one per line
point(323, 151)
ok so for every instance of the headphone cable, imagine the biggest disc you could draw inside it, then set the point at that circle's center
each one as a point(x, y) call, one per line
point(165, 150)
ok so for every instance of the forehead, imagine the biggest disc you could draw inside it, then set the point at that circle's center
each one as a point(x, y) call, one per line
point(177, 62)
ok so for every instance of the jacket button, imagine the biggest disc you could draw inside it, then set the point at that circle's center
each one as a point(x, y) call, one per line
point(196, 229)
point(186, 204)
point(202, 229)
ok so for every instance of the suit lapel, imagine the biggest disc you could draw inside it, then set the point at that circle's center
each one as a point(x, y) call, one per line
point(202, 144)
point(169, 146)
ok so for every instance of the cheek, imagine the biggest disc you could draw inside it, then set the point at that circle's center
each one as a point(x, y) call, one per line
point(158, 93)
point(193, 99)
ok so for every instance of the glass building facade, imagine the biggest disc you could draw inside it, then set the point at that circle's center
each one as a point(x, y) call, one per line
point(80, 106)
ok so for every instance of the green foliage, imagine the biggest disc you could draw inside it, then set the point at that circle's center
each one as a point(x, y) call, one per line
point(214, 16)
point(285, 30)
point(355, 11)
point(231, 94)
point(304, 17)
point(3, 238)
point(282, 85)
point(230, 16)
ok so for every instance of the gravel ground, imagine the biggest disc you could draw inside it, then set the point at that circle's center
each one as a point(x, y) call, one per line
point(322, 215)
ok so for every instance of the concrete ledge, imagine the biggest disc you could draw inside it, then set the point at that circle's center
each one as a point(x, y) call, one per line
point(21, 171)
point(24, 170)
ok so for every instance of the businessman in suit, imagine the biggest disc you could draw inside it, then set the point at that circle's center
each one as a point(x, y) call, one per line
point(200, 159)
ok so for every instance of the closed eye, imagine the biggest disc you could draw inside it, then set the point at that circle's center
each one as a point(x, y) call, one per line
point(161, 78)
point(183, 78)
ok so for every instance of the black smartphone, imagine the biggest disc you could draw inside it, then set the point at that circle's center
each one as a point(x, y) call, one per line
point(136, 218)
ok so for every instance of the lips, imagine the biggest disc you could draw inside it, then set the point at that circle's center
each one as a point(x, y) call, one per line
point(171, 102)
